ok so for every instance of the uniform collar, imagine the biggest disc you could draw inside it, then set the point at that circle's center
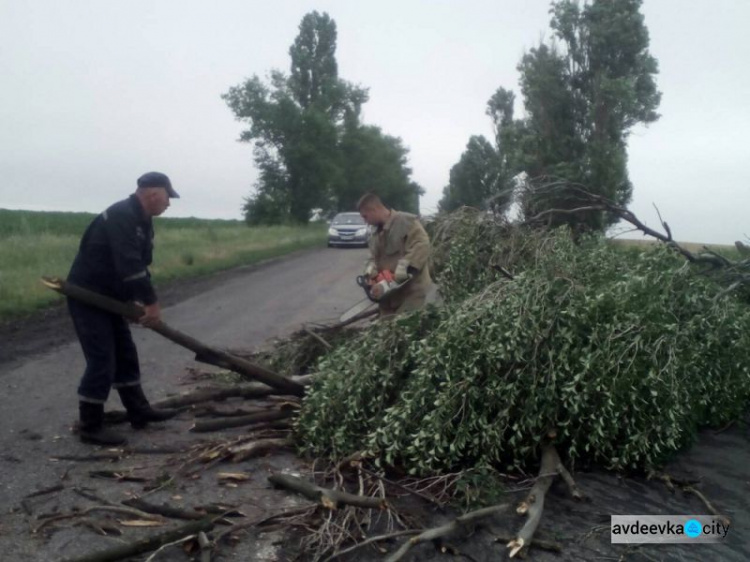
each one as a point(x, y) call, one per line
point(138, 209)
point(387, 224)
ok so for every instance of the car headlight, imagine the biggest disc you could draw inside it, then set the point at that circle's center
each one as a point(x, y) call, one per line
point(333, 232)
point(362, 231)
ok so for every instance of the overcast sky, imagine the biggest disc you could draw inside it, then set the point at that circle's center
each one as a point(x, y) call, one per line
point(96, 92)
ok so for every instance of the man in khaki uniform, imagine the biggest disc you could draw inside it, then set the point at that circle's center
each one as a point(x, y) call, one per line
point(399, 245)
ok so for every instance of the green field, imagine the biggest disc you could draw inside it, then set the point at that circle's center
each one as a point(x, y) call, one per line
point(34, 243)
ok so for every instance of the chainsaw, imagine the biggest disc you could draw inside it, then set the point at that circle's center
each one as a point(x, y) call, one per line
point(384, 284)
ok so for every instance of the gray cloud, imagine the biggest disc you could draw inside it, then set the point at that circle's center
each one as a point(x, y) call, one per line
point(95, 93)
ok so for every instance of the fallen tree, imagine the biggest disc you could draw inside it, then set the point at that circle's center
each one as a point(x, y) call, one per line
point(623, 354)
point(553, 351)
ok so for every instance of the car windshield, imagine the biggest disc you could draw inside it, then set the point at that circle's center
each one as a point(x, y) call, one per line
point(349, 218)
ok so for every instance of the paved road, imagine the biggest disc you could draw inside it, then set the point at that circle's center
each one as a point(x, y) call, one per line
point(242, 310)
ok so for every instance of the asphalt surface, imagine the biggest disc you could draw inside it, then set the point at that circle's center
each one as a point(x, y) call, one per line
point(38, 404)
point(242, 309)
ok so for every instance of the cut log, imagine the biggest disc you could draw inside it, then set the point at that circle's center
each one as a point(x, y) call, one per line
point(213, 412)
point(541, 544)
point(251, 390)
point(328, 498)
point(203, 352)
point(202, 426)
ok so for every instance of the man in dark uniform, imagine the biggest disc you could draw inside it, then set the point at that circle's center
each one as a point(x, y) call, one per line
point(113, 260)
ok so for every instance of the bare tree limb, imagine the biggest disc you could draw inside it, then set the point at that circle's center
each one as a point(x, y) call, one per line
point(256, 448)
point(323, 342)
point(568, 479)
point(45, 491)
point(533, 505)
point(691, 490)
point(458, 525)
point(112, 508)
point(174, 536)
point(372, 540)
point(328, 498)
point(164, 510)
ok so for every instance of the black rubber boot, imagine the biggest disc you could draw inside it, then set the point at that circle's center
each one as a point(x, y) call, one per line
point(91, 429)
point(139, 410)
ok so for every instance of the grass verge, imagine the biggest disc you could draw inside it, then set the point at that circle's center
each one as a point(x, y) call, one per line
point(33, 244)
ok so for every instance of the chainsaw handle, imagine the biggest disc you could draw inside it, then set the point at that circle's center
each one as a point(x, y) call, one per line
point(362, 282)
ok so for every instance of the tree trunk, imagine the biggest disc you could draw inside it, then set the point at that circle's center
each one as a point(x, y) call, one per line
point(203, 352)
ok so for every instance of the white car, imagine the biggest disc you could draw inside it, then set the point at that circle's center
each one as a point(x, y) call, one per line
point(348, 229)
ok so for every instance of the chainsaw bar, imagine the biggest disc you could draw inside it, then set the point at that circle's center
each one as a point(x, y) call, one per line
point(358, 308)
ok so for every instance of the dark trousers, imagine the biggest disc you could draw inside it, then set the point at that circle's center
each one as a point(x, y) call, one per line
point(111, 355)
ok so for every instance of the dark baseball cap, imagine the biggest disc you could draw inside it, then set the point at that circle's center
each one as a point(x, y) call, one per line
point(157, 179)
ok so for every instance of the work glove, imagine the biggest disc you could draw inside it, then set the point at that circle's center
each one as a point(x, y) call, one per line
point(401, 274)
point(371, 271)
point(377, 291)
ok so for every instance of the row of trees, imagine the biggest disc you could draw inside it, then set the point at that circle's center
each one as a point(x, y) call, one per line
point(309, 143)
point(583, 92)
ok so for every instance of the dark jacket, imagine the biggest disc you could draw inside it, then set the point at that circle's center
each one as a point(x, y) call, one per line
point(115, 253)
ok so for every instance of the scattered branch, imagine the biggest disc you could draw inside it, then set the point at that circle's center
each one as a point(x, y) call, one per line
point(541, 544)
point(45, 491)
point(112, 508)
point(103, 528)
point(328, 498)
point(181, 540)
point(323, 342)
point(206, 547)
point(256, 448)
point(385, 480)
point(174, 536)
point(711, 509)
point(164, 510)
point(462, 524)
point(372, 540)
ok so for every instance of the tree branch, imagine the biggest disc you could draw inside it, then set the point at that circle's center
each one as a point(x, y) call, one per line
point(328, 498)
point(460, 524)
